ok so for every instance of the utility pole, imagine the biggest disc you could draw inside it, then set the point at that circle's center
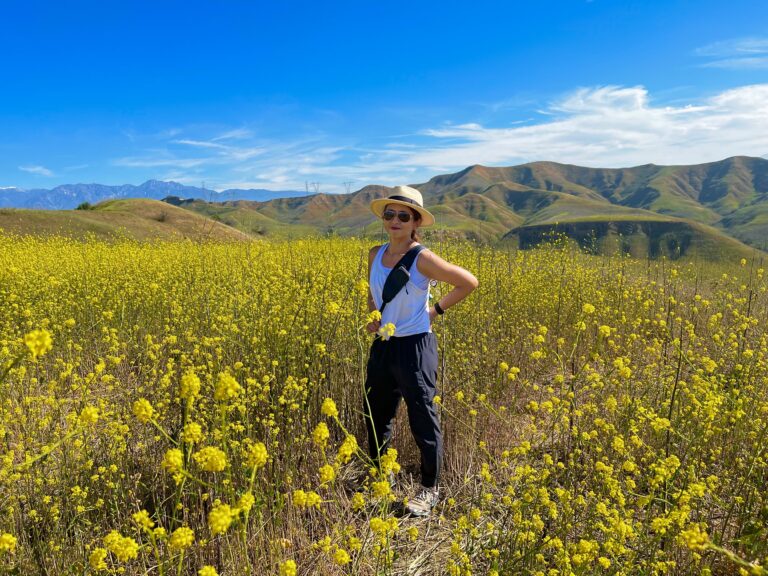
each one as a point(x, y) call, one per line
point(348, 185)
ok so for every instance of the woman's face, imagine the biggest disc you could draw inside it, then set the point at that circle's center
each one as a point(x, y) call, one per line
point(396, 227)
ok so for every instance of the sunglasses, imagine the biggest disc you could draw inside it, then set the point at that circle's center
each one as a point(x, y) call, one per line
point(402, 215)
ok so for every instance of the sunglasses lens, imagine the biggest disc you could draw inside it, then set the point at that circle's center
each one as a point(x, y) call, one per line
point(402, 216)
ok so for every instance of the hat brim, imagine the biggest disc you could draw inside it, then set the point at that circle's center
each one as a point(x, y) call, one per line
point(377, 207)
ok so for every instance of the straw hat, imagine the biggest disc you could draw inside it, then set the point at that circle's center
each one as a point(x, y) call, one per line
point(406, 196)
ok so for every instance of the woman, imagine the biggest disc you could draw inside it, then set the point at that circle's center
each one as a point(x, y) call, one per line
point(405, 364)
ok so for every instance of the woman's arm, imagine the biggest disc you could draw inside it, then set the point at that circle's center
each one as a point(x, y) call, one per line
point(463, 281)
point(372, 326)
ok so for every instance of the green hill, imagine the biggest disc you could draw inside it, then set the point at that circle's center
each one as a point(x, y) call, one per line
point(673, 238)
point(710, 210)
point(138, 219)
point(645, 210)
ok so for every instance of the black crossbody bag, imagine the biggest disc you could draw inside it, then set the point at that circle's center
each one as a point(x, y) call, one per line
point(399, 276)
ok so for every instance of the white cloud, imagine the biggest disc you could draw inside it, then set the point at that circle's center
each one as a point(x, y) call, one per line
point(155, 162)
point(604, 126)
point(226, 152)
point(610, 127)
point(39, 170)
point(237, 134)
point(736, 53)
point(740, 63)
point(201, 143)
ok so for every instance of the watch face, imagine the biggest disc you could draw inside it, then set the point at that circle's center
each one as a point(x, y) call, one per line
point(433, 283)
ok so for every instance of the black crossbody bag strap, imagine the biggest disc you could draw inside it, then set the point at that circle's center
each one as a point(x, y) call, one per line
point(398, 276)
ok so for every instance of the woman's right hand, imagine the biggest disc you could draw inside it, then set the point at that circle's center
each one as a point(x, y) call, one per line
point(373, 326)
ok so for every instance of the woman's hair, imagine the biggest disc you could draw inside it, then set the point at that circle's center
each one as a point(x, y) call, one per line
point(416, 216)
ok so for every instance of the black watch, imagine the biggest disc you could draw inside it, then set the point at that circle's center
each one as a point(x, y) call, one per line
point(438, 309)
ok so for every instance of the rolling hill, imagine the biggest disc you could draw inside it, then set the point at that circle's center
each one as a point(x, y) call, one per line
point(711, 209)
point(138, 219)
point(714, 210)
point(69, 196)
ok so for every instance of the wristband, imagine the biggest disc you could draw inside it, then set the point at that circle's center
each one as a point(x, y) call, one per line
point(438, 309)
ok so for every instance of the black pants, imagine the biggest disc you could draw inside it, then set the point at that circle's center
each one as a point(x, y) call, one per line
point(404, 367)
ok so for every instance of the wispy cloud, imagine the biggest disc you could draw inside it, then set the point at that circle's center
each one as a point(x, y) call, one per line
point(39, 170)
point(155, 162)
point(604, 126)
point(236, 134)
point(201, 143)
point(737, 53)
point(226, 152)
point(610, 126)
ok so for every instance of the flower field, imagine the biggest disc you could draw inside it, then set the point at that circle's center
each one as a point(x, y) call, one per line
point(196, 408)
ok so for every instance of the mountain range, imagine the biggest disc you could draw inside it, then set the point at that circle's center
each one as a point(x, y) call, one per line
point(644, 210)
point(70, 196)
point(716, 210)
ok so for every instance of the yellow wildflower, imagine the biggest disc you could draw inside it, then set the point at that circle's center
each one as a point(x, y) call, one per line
point(143, 410)
point(694, 537)
point(7, 543)
point(387, 331)
point(341, 557)
point(97, 559)
point(246, 502)
point(329, 408)
point(381, 489)
point(143, 520)
point(358, 501)
point(220, 518)
point(288, 568)
point(39, 342)
point(327, 474)
point(190, 386)
point(192, 433)
point(320, 435)
point(257, 456)
point(123, 547)
point(347, 449)
point(211, 459)
point(183, 537)
point(227, 387)
point(89, 415)
point(173, 461)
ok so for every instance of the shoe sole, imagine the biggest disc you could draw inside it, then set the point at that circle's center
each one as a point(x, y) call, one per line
point(418, 513)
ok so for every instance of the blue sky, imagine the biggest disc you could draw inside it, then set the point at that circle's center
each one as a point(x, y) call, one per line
point(278, 94)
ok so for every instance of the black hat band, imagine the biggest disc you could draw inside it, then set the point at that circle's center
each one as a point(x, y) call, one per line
point(404, 199)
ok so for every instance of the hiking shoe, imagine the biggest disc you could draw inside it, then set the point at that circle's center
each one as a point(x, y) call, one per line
point(423, 502)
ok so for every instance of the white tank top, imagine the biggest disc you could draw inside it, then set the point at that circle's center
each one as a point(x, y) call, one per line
point(409, 310)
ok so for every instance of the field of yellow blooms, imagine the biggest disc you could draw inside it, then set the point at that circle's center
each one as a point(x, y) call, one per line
point(173, 408)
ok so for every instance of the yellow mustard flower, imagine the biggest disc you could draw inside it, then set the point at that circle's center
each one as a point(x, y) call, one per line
point(220, 518)
point(288, 568)
point(329, 408)
point(7, 543)
point(143, 410)
point(39, 342)
point(181, 538)
point(211, 459)
point(97, 559)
